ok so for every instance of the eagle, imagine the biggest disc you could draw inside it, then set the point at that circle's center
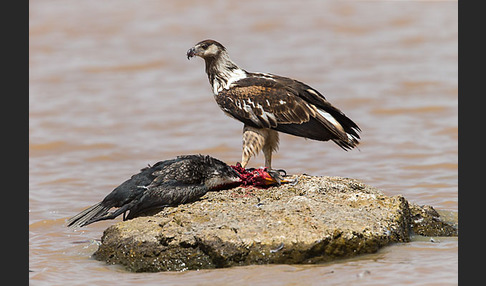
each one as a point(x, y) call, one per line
point(267, 104)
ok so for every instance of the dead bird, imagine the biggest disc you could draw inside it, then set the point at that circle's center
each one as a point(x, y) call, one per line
point(170, 183)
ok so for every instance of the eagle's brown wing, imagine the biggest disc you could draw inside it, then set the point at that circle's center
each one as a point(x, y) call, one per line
point(270, 102)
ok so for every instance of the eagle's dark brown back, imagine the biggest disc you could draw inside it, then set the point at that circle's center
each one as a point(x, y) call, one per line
point(289, 106)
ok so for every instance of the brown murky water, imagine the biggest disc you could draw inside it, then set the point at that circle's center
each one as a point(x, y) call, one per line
point(112, 91)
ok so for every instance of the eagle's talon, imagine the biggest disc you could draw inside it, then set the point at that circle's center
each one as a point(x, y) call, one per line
point(282, 172)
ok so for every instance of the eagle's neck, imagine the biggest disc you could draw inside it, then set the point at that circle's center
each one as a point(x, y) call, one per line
point(222, 72)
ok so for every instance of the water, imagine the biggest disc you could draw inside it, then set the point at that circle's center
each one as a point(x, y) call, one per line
point(112, 91)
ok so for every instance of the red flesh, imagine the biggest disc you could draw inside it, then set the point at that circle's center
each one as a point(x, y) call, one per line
point(258, 177)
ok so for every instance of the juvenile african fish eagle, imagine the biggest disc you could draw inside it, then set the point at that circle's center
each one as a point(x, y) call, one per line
point(267, 103)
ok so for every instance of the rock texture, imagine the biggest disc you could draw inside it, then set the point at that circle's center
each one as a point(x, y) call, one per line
point(319, 219)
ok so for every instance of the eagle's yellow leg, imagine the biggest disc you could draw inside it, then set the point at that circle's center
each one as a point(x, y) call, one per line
point(256, 140)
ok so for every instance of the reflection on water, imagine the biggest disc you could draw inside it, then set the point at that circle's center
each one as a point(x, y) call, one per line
point(112, 91)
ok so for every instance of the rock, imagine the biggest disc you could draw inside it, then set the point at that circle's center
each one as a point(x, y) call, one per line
point(427, 221)
point(320, 219)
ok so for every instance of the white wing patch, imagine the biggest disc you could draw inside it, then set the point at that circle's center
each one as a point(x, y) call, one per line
point(330, 118)
point(266, 119)
point(250, 112)
point(264, 75)
point(310, 90)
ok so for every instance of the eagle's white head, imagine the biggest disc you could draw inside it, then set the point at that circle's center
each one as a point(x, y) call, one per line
point(207, 49)
point(221, 70)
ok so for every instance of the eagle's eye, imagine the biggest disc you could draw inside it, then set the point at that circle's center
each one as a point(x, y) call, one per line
point(204, 45)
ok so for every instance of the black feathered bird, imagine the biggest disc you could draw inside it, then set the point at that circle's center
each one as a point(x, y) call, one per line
point(167, 183)
point(268, 103)
point(170, 183)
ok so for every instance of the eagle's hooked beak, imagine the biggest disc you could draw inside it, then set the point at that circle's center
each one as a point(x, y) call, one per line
point(191, 53)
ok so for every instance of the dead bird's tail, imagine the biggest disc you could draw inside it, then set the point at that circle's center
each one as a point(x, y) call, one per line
point(88, 216)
